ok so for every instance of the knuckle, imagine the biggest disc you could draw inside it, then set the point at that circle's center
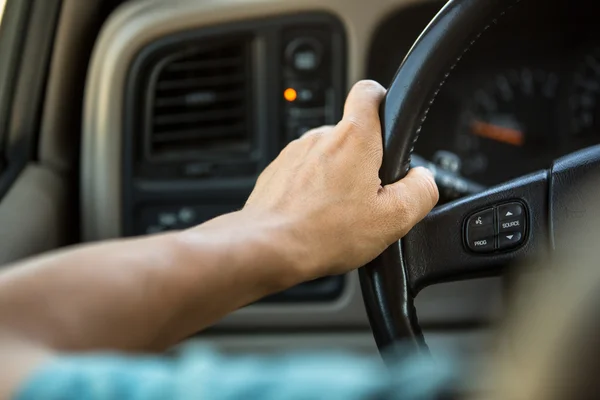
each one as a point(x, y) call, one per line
point(316, 133)
point(366, 128)
point(333, 145)
point(293, 145)
point(368, 85)
point(349, 125)
point(352, 133)
point(356, 124)
point(310, 141)
point(359, 130)
point(311, 136)
point(430, 187)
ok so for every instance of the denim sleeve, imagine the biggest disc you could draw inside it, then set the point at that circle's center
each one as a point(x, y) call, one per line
point(204, 374)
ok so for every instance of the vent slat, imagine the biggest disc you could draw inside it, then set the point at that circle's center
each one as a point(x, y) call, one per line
point(198, 116)
point(199, 98)
point(193, 65)
point(200, 82)
point(200, 102)
point(198, 133)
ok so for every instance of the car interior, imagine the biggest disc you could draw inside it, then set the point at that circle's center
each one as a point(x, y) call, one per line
point(123, 118)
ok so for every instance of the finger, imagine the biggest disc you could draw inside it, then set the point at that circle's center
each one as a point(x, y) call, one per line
point(362, 108)
point(408, 201)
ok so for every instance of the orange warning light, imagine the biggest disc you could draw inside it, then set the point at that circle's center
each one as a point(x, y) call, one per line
point(290, 94)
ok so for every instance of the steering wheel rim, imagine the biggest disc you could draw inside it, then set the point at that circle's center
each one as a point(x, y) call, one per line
point(550, 200)
point(385, 282)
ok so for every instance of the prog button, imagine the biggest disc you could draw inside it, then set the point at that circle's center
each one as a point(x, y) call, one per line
point(481, 231)
point(485, 245)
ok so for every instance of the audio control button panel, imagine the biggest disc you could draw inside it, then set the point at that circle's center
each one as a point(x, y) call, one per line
point(498, 228)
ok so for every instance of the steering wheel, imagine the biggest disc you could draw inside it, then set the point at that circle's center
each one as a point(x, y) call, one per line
point(474, 236)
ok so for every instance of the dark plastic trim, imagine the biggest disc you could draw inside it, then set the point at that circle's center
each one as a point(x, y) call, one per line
point(174, 51)
point(267, 122)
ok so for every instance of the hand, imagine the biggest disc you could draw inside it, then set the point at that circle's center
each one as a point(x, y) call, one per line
point(324, 190)
point(319, 209)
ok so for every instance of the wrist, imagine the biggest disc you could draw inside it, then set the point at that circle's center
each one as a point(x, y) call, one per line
point(261, 245)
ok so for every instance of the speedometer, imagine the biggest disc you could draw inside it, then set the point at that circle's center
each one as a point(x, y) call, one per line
point(508, 126)
point(503, 122)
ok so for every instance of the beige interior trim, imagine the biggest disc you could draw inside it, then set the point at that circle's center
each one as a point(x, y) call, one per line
point(32, 214)
point(470, 344)
point(62, 106)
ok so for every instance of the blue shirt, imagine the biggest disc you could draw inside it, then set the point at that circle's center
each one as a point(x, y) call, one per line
point(199, 373)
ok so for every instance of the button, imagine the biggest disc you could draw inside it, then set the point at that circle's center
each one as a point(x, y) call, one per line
point(304, 54)
point(485, 245)
point(510, 211)
point(482, 219)
point(154, 229)
point(509, 239)
point(187, 215)
point(512, 225)
point(306, 95)
point(167, 219)
point(501, 228)
point(481, 233)
point(306, 113)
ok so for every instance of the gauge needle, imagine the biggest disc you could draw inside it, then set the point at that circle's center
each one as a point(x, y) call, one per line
point(499, 133)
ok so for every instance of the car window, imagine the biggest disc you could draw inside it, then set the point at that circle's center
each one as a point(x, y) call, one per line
point(4, 74)
point(13, 22)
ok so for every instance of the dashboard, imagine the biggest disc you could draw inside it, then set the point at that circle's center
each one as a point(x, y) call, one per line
point(526, 94)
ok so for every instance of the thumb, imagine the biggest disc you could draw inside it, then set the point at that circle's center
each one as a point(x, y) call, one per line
point(408, 201)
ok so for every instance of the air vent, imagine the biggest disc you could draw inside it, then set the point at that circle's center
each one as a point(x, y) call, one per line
point(199, 103)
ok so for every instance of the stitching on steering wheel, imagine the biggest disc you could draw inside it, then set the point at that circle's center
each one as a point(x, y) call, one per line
point(447, 75)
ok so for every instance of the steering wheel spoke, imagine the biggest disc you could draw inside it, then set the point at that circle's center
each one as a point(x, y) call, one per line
point(479, 235)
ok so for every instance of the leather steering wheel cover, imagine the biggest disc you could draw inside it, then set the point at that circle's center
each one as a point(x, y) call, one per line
point(385, 281)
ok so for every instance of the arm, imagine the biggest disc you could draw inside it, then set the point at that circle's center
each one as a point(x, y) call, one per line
point(318, 209)
point(144, 294)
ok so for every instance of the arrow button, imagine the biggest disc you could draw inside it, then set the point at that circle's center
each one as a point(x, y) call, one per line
point(510, 211)
point(509, 240)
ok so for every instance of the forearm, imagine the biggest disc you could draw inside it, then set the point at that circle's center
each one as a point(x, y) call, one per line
point(319, 209)
point(141, 294)
point(249, 257)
